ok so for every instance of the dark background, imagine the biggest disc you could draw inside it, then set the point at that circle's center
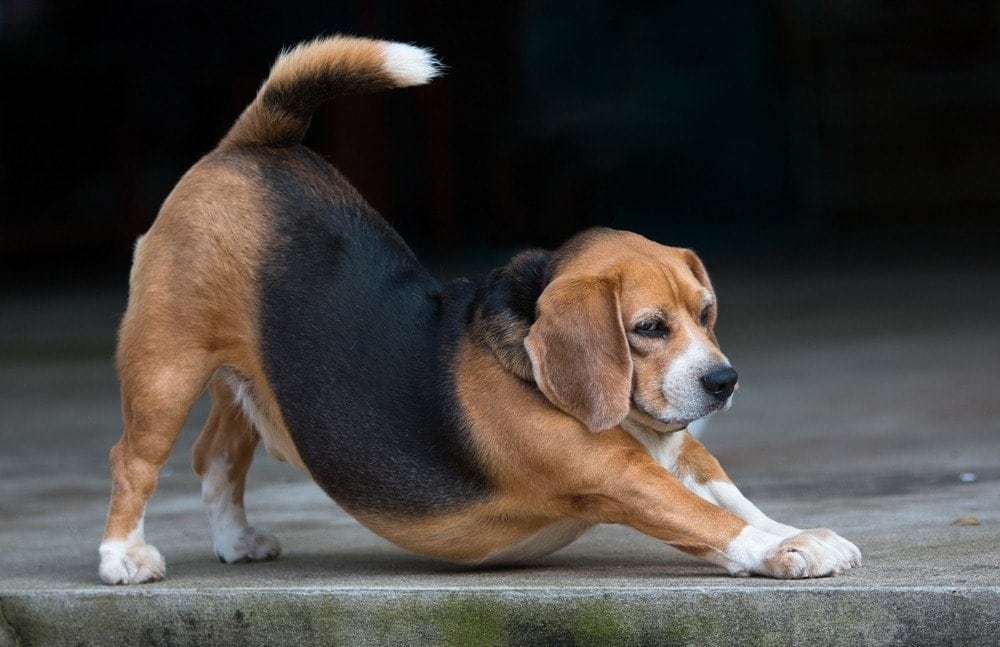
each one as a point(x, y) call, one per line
point(764, 134)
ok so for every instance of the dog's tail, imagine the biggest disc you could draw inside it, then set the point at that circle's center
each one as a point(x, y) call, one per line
point(318, 70)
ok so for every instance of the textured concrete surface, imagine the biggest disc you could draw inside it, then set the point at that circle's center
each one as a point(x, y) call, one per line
point(868, 404)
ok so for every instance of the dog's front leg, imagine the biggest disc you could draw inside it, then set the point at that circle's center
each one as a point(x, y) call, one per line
point(650, 499)
point(700, 472)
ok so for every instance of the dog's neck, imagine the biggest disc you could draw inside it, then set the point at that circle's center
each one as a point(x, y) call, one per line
point(503, 310)
point(638, 419)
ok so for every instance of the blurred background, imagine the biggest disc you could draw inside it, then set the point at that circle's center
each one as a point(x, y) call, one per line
point(763, 134)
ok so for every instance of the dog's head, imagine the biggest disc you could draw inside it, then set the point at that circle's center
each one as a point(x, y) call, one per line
point(624, 329)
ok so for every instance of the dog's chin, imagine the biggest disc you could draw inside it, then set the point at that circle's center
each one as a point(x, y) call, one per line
point(667, 422)
point(644, 419)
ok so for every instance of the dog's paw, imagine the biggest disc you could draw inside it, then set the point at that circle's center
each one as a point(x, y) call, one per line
point(122, 563)
point(247, 544)
point(847, 551)
point(811, 553)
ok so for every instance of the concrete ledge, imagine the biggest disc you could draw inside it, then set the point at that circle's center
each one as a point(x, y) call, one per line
point(689, 616)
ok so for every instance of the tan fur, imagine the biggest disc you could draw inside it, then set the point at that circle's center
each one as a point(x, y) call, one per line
point(606, 283)
point(192, 302)
point(227, 436)
point(548, 436)
point(280, 117)
point(548, 466)
point(695, 461)
point(191, 310)
point(579, 351)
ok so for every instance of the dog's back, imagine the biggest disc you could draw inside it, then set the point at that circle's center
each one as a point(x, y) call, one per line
point(218, 222)
point(356, 343)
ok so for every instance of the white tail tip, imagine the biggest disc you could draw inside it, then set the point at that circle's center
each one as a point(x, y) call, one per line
point(410, 65)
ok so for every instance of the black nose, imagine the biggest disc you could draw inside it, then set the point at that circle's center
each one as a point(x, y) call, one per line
point(720, 381)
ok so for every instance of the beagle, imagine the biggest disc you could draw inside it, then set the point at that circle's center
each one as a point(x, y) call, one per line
point(478, 422)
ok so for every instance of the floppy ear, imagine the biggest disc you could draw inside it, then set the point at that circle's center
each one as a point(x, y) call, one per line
point(579, 353)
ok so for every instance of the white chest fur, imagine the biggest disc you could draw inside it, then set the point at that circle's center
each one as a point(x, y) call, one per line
point(663, 447)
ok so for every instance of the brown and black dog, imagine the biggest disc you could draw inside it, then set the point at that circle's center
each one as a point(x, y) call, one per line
point(478, 422)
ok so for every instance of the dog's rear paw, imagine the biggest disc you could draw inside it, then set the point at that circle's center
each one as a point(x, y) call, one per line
point(130, 564)
point(247, 544)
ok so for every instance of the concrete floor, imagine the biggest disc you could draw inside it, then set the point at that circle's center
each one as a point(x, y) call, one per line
point(868, 404)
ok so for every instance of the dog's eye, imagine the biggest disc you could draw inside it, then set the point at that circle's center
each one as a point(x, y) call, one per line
point(706, 316)
point(650, 328)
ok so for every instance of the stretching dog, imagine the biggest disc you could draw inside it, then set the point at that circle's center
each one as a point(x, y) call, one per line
point(485, 422)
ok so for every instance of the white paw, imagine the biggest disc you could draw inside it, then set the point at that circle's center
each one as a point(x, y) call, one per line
point(246, 544)
point(122, 563)
point(811, 553)
point(848, 552)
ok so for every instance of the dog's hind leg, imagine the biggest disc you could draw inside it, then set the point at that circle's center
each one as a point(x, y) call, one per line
point(221, 457)
point(160, 382)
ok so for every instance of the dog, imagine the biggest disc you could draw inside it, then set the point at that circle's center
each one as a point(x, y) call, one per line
point(485, 422)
